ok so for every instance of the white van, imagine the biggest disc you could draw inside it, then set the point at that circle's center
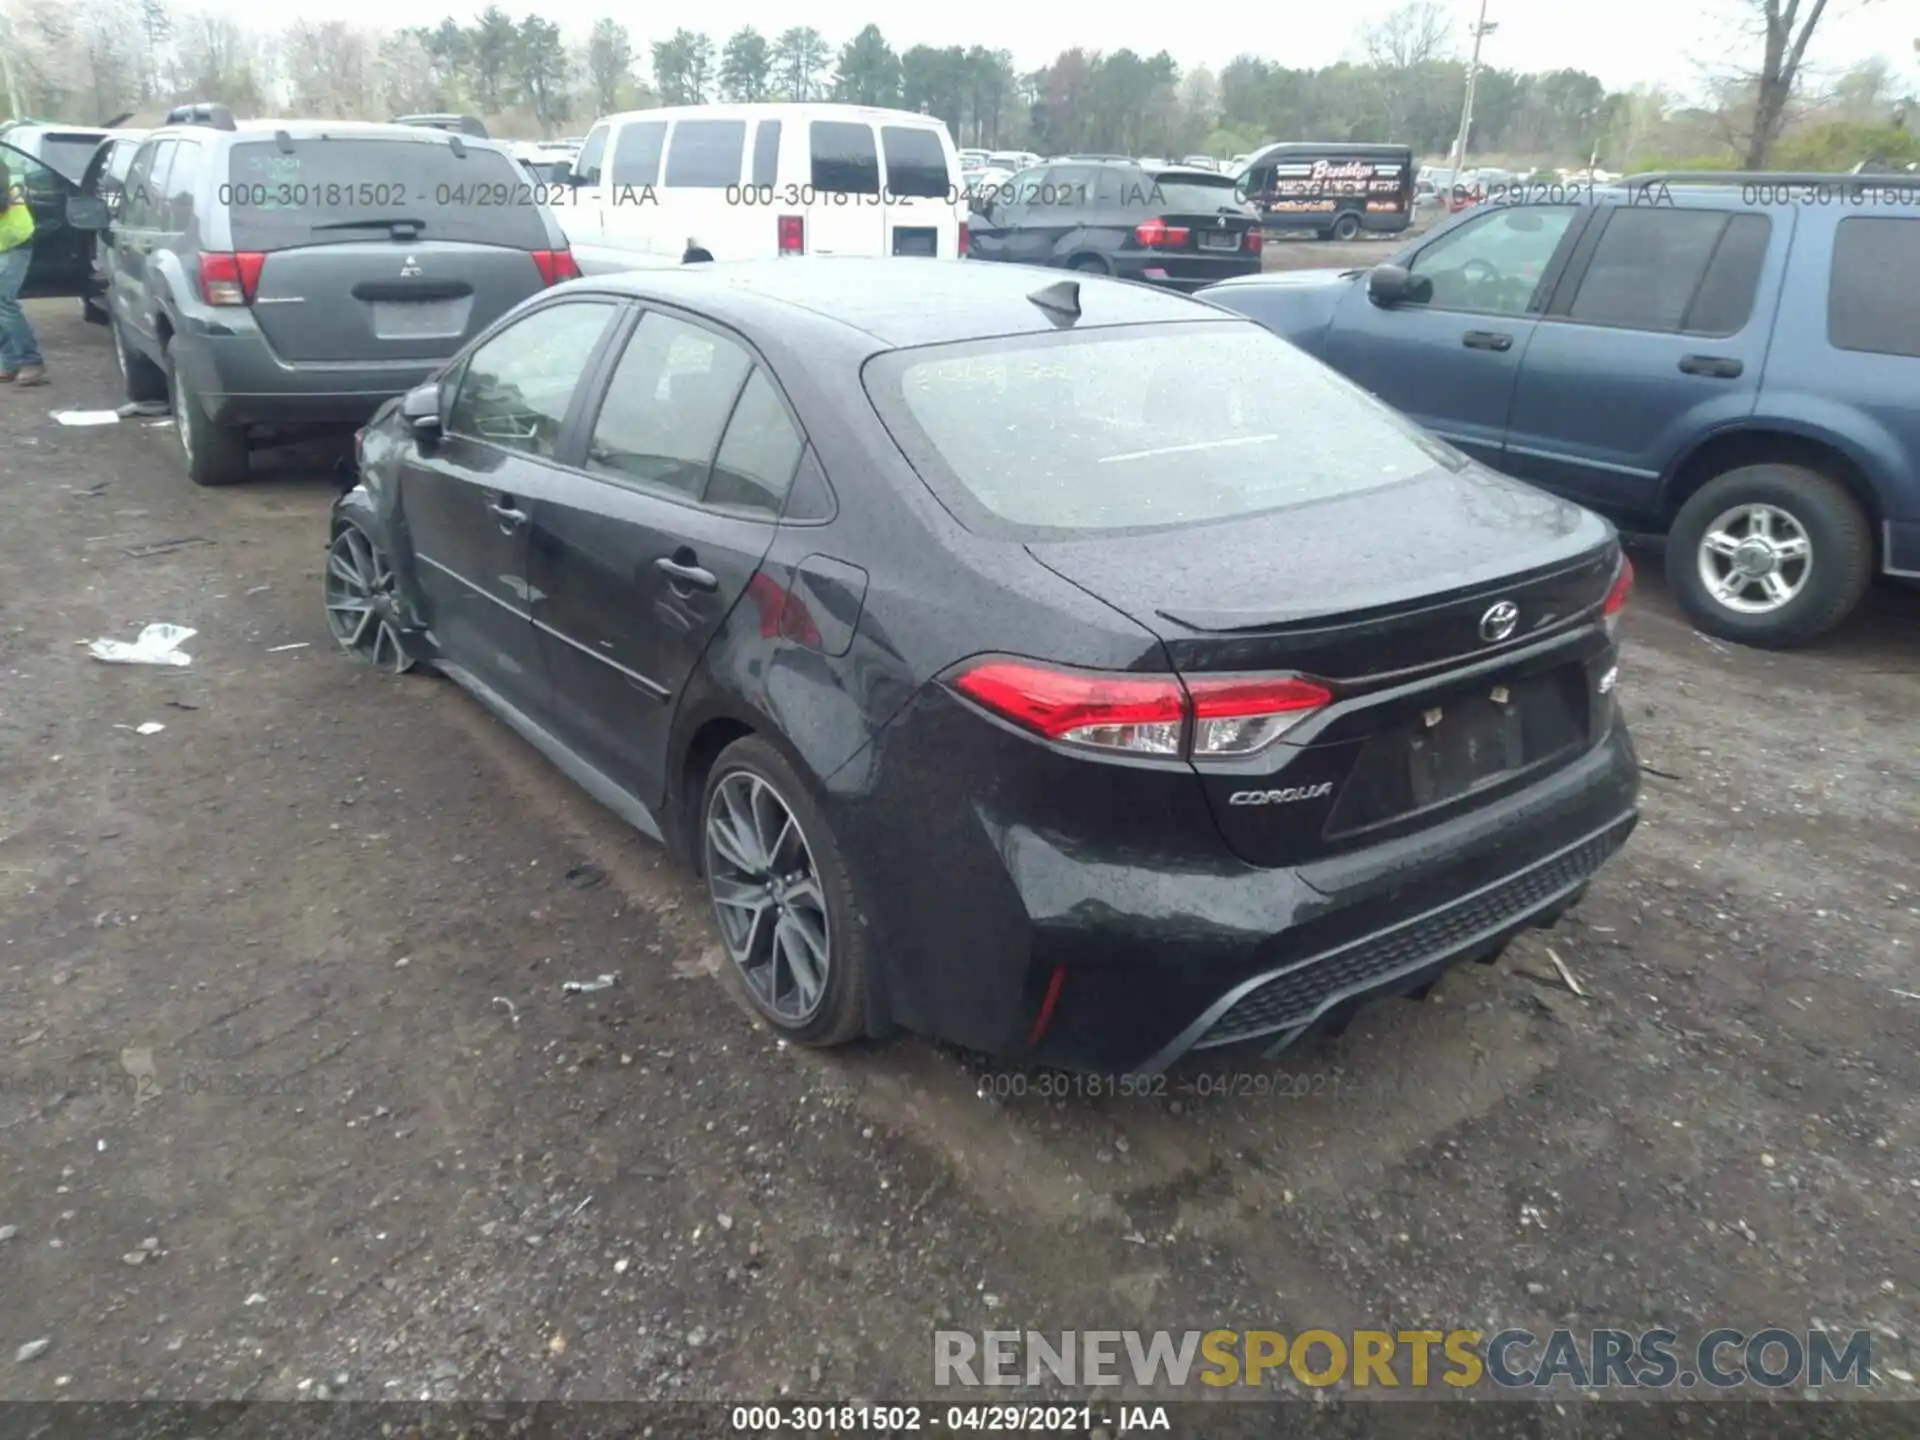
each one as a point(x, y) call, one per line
point(746, 182)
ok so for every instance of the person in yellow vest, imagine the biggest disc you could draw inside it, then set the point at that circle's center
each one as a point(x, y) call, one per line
point(20, 362)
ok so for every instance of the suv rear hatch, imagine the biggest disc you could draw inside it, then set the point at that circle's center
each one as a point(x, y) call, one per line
point(1196, 226)
point(1432, 621)
point(379, 249)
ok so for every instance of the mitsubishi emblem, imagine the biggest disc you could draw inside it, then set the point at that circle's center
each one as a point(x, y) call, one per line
point(1222, 222)
point(409, 267)
point(1499, 622)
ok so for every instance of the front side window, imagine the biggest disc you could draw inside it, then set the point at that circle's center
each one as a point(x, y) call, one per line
point(636, 154)
point(666, 406)
point(586, 165)
point(1493, 264)
point(517, 387)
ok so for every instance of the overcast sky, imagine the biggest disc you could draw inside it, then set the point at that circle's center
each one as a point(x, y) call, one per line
point(1621, 41)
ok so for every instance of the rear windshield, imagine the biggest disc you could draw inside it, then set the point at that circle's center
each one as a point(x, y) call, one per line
point(1188, 193)
point(324, 191)
point(1137, 427)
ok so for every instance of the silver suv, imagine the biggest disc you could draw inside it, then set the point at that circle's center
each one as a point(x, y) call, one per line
point(278, 278)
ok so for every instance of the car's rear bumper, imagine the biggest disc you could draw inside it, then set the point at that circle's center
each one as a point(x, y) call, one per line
point(1124, 954)
point(242, 382)
point(1185, 273)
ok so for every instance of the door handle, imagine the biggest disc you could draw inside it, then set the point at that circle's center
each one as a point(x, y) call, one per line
point(1486, 340)
point(1720, 367)
point(685, 572)
point(504, 511)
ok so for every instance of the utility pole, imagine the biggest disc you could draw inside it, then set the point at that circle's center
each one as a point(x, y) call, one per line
point(7, 75)
point(1481, 29)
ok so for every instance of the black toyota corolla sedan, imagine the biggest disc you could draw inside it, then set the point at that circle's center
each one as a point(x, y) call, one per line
point(1078, 673)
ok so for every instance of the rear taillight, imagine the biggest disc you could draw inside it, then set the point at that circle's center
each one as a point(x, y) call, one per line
point(230, 279)
point(1255, 239)
point(1206, 717)
point(555, 266)
point(963, 239)
point(793, 234)
point(1156, 234)
point(1617, 597)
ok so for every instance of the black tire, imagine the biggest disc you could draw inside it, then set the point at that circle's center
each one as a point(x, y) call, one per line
point(1089, 265)
point(214, 454)
point(140, 377)
point(1838, 571)
point(1347, 227)
point(840, 1013)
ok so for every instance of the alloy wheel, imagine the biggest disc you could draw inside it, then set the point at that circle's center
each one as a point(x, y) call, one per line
point(767, 898)
point(1754, 559)
point(360, 610)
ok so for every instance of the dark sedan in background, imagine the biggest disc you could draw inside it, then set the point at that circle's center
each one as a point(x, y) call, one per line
point(1189, 701)
point(1176, 227)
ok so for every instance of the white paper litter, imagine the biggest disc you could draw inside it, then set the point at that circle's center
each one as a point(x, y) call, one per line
point(148, 727)
point(276, 649)
point(157, 644)
point(588, 987)
point(87, 417)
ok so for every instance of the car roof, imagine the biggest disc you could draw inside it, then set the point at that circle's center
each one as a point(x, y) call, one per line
point(780, 110)
point(896, 303)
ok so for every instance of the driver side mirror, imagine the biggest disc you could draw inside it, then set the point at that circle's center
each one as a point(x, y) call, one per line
point(86, 212)
point(1391, 285)
point(420, 408)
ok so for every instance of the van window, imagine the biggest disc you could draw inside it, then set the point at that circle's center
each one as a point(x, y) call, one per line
point(845, 159)
point(586, 165)
point(636, 154)
point(766, 153)
point(1872, 302)
point(705, 154)
point(916, 163)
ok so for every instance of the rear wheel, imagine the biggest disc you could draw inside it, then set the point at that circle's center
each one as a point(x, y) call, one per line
point(214, 454)
point(1089, 265)
point(782, 898)
point(1770, 555)
point(1346, 227)
point(142, 379)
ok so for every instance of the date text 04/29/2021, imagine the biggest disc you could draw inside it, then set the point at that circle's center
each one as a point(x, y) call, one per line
point(983, 1419)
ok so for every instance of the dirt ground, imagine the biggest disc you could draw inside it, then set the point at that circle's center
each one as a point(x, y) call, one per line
point(292, 1104)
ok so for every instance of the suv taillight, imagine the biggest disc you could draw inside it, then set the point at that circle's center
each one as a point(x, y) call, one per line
point(793, 234)
point(230, 279)
point(1255, 239)
point(555, 266)
point(963, 239)
point(1156, 234)
point(1617, 596)
point(1200, 717)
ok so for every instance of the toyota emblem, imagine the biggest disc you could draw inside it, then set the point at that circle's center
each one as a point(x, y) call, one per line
point(1499, 622)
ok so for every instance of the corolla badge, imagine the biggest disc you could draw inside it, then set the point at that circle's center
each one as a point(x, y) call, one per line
point(409, 267)
point(1499, 622)
point(1281, 797)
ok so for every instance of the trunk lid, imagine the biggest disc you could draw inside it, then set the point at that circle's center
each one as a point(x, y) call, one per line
point(386, 299)
point(1390, 599)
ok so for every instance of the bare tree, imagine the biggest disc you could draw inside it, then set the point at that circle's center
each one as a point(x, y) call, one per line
point(1784, 29)
point(1410, 36)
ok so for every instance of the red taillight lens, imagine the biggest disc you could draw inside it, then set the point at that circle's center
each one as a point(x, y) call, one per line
point(793, 234)
point(1156, 234)
point(1208, 716)
point(1617, 597)
point(231, 279)
point(963, 239)
point(1240, 716)
point(1256, 238)
point(555, 266)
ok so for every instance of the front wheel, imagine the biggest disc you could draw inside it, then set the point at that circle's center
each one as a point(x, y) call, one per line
point(1770, 555)
point(362, 608)
point(782, 898)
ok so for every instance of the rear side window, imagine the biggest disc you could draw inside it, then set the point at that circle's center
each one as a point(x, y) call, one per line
point(766, 153)
point(183, 180)
point(1724, 301)
point(665, 407)
point(1873, 303)
point(916, 163)
point(845, 159)
point(120, 162)
point(636, 154)
point(755, 466)
point(1647, 266)
point(705, 154)
point(586, 165)
point(142, 209)
point(1137, 428)
point(349, 190)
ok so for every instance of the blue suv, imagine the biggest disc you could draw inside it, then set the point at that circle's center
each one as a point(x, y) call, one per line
point(1731, 359)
